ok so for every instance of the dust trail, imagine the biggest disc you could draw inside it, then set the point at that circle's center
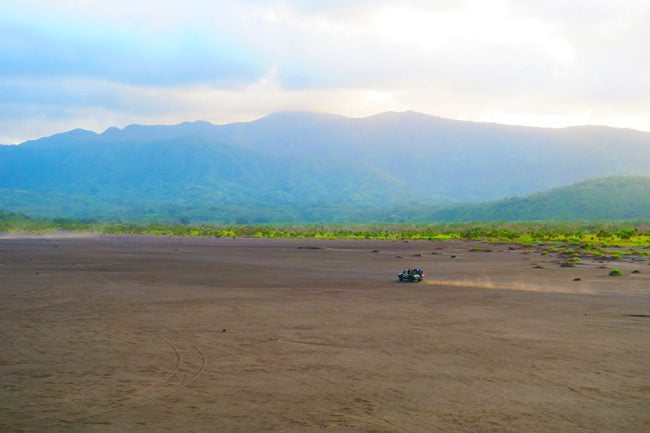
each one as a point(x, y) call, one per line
point(477, 284)
point(510, 285)
point(48, 235)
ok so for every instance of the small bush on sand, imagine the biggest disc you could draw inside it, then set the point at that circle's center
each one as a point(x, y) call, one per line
point(616, 272)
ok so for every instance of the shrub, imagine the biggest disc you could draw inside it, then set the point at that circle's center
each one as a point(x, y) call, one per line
point(616, 272)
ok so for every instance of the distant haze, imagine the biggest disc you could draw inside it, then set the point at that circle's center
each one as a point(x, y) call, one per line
point(93, 64)
point(313, 167)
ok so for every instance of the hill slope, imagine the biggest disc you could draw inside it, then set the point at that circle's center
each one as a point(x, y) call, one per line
point(187, 179)
point(297, 167)
point(612, 198)
point(464, 161)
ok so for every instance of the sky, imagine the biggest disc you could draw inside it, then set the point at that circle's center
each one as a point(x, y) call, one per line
point(69, 64)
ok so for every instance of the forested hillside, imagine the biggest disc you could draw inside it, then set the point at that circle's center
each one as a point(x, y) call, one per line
point(612, 198)
point(308, 167)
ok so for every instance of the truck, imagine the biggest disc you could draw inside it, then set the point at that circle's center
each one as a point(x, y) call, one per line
point(411, 275)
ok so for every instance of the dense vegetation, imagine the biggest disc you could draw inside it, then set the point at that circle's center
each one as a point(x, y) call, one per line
point(190, 181)
point(612, 198)
point(592, 238)
point(308, 168)
point(615, 198)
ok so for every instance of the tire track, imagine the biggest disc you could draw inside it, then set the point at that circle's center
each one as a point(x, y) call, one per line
point(352, 395)
point(379, 401)
point(353, 391)
point(54, 421)
point(179, 360)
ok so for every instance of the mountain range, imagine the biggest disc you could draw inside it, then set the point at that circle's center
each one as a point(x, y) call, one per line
point(310, 167)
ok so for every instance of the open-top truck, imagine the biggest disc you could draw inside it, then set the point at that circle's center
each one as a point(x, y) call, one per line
point(411, 275)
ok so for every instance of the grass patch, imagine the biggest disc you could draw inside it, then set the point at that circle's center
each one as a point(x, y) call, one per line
point(616, 239)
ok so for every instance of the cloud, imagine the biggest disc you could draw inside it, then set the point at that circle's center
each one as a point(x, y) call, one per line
point(107, 103)
point(547, 63)
point(38, 46)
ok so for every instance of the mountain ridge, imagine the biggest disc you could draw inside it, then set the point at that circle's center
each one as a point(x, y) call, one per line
point(284, 162)
point(324, 115)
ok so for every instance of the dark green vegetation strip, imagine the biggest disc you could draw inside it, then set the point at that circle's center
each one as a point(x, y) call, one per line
point(577, 237)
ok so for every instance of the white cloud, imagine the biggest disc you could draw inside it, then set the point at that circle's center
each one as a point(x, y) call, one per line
point(547, 63)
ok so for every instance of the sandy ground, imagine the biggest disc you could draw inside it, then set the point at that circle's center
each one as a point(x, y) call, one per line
point(142, 334)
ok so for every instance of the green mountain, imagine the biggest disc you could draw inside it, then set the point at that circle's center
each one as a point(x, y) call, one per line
point(185, 179)
point(464, 161)
point(610, 198)
point(305, 167)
